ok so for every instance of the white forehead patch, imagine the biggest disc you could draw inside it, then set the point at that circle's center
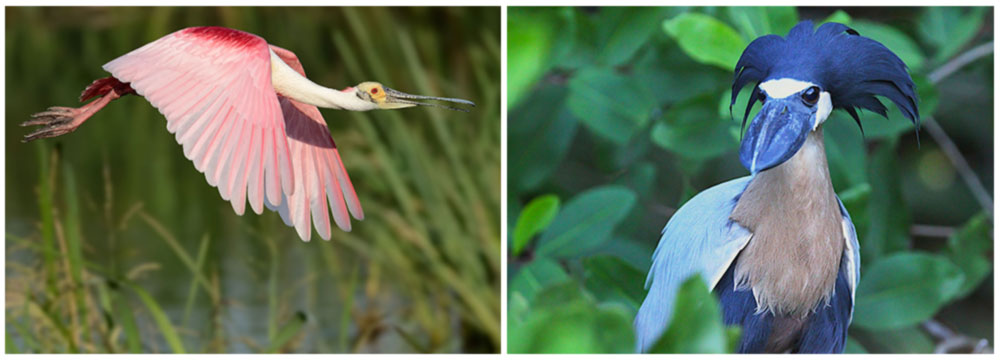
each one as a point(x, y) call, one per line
point(823, 108)
point(784, 87)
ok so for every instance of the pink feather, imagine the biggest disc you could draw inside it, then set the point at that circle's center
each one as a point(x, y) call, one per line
point(214, 87)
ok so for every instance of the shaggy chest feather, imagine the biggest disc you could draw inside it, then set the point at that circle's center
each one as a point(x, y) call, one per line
point(793, 256)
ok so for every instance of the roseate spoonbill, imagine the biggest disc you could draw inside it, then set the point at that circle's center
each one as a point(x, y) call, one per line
point(246, 116)
point(777, 246)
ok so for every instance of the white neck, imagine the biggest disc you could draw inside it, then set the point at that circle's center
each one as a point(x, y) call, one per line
point(289, 83)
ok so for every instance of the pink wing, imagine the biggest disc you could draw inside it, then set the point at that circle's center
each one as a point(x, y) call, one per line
point(320, 176)
point(214, 87)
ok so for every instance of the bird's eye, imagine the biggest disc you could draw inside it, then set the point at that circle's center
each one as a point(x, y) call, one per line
point(810, 96)
point(374, 91)
point(761, 97)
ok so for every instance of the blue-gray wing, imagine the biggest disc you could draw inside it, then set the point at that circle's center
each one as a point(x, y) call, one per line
point(852, 257)
point(699, 238)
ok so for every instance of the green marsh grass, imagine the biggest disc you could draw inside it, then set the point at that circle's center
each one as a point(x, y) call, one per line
point(115, 243)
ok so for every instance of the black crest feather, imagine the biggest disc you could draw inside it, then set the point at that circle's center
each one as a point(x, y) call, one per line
point(852, 68)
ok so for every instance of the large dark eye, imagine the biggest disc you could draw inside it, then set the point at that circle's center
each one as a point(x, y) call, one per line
point(810, 96)
point(761, 97)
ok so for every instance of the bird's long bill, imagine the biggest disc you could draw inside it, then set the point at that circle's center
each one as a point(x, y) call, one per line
point(776, 134)
point(406, 100)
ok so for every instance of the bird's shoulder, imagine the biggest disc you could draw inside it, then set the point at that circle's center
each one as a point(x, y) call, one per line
point(221, 36)
point(700, 236)
point(288, 57)
point(711, 206)
point(698, 239)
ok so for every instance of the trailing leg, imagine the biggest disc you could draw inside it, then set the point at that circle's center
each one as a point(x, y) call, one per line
point(59, 120)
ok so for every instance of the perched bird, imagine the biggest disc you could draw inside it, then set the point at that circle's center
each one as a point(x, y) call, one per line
point(246, 116)
point(777, 247)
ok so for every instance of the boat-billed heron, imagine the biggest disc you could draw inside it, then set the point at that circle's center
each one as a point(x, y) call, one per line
point(777, 247)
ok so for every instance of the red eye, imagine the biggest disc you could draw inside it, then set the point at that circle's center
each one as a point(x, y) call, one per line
point(374, 91)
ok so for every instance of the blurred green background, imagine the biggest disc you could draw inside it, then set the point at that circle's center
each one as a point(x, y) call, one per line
point(619, 115)
point(115, 243)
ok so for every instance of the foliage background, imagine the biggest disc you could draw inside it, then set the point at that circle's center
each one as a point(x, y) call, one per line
point(619, 115)
point(115, 243)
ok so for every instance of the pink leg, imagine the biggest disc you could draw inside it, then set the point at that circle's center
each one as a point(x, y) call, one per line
point(59, 120)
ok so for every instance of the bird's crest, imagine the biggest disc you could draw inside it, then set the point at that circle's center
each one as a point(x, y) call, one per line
point(851, 67)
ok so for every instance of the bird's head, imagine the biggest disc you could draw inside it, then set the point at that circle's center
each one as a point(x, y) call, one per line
point(802, 77)
point(386, 98)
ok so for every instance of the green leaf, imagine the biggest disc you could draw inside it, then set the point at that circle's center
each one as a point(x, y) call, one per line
point(706, 39)
point(693, 130)
point(518, 309)
point(534, 218)
point(853, 347)
point(739, 107)
point(530, 39)
point(574, 327)
point(757, 21)
point(641, 178)
point(949, 29)
point(888, 215)
point(897, 41)
point(687, 191)
point(969, 248)
point(570, 48)
point(838, 16)
point(621, 31)
point(671, 77)
point(855, 201)
point(696, 325)
point(621, 157)
point(540, 132)
point(558, 294)
point(845, 153)
point(586, 221)
point(782, 18)
point(609, 104)
point(535, 276)
point(610, 278)
point(574, 46)
point(907, 340)
point(904, 289)
point(513, 209)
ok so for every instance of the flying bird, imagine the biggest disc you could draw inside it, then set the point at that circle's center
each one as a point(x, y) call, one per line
point(247, 117)
point(777, 247)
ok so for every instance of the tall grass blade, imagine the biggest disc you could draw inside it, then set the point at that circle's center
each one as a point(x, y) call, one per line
point(287, 333)
point(161, 319)
point(25, 335)
point(35, 310)
point(272, 290)
point(411, 340)
point(180, 252)
point(74, 253)
point(46, 170)
point(9, 346)
point(193, 290)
